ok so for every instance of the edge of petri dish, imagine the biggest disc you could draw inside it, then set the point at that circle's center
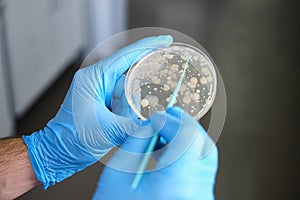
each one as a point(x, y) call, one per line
point(146, 55)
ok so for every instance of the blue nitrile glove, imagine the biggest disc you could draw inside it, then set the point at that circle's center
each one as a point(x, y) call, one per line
point(184, 176)
point(84, 129)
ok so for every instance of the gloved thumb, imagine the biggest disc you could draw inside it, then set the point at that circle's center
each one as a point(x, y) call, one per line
point(129, 156)
point(191, 141)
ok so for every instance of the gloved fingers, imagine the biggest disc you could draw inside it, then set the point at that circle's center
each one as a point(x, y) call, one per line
point(160, 123)
point(203, 145)
point(188, 139)
point(100, 130)
point(119, 103)
point(119, 91)
point(138, 142)
point(128, 157)
point(175, 111)
point(120, 106)
point(167, 124)
point(120, 61)
point(134, 148)
point(184, 141)
point(183, 123)
point(116, 127)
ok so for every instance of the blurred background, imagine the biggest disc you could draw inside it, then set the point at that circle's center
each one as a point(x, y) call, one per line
point(254, 43)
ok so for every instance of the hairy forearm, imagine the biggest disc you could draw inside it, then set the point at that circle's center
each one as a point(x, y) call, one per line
point(16, 173)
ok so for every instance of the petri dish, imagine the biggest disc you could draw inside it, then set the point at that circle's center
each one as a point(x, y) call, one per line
point(150, 82)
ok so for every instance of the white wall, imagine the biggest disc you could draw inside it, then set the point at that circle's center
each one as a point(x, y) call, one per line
point(42, 36)
point(106, 18)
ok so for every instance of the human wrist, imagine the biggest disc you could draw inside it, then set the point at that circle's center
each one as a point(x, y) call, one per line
point(16, 173)
point(36, 162)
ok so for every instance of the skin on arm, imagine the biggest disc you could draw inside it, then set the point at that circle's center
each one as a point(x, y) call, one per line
point(16, 173)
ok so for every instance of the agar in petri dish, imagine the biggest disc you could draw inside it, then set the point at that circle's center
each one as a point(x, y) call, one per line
point(151, 81)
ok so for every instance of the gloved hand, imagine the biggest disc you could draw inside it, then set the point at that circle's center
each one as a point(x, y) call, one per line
point(84, 129)
point(182, 174)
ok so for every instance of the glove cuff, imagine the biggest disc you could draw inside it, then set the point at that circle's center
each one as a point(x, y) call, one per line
point(36, 161)
point(54, 158)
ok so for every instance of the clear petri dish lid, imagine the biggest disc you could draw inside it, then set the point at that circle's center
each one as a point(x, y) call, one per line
point(150, 82)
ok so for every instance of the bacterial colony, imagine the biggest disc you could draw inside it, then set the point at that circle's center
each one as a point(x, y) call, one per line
point(152, 80)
